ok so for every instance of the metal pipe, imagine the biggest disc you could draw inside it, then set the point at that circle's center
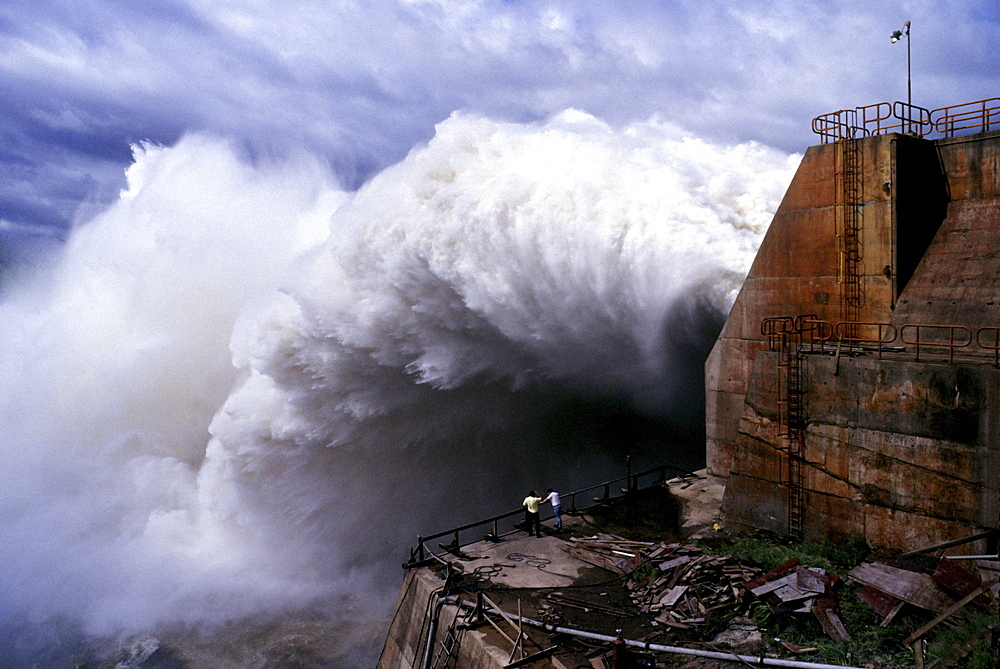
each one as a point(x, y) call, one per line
point(677, 650)
point(432, 632)
point(972, 557)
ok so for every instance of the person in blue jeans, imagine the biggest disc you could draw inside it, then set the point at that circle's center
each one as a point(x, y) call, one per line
point(552, 496)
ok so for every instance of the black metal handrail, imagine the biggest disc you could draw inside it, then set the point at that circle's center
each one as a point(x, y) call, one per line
point(497, 529)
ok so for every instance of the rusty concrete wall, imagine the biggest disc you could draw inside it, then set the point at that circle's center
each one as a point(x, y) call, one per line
point(903, 453)
point(958, 280)
point(797, 271)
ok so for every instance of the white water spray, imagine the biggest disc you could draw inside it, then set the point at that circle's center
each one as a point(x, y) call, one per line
point(242, 390)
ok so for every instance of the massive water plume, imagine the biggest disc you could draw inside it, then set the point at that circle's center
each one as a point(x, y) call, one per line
point(241, 391)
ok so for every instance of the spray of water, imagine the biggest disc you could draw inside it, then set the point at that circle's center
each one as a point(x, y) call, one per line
point(242, 390)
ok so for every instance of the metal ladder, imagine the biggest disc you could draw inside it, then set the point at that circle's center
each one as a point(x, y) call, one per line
point(790, 420)
point(447, 652)
point(849, 231)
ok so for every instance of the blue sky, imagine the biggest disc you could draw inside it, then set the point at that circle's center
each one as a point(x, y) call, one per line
point(361, 83)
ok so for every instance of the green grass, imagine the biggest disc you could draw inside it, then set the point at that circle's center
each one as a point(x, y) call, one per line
point(869, 643)
point(973, 623)
point(771, 553)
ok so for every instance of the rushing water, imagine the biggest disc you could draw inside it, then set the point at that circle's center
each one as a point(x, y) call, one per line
point(241, 391)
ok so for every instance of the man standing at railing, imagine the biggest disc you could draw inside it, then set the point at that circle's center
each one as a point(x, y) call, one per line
point(532, 518)
point(553, 496)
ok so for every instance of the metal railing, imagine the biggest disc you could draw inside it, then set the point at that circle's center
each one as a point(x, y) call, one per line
point(502, 525)
point(978, 116)
point(995, 346)
point(884, 117)
point(950, 344)
point(880, 335)
point(857, 333)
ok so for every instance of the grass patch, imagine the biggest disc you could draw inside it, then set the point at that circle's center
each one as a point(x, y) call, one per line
point(972, 634)
point(870, 642)
point(771, 552)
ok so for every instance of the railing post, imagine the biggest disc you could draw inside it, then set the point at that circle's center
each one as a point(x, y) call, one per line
point(493, 536)
point(420, 547)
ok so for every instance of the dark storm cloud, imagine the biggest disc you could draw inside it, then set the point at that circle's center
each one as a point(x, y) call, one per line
point(363, 82)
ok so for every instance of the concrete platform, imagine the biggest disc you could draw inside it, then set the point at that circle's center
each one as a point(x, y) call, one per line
point(521, 573)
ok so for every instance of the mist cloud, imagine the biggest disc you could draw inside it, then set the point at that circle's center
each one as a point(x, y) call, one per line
point(362, 83)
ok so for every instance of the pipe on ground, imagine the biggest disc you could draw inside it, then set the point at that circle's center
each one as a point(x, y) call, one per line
point(432, 632)
point(676, 650)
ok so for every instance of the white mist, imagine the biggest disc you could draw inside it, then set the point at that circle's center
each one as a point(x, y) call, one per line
point(243, 391)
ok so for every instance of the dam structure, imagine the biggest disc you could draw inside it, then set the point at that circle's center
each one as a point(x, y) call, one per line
point(854, 390)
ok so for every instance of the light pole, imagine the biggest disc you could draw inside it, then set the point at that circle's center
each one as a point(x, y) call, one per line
point(895, 37)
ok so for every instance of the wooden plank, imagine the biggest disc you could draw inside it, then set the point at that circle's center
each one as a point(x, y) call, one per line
point(672, 595)
point(909, 586)
point(809, 580)
point(770, 586)
point(918, 654)
point(531, 658)
point(772, 575)
point(955, 578)
point(892, 614)
point(830, 622)
point(953, 543)
point(947, 613)
point(676, 562)
point(881, 602)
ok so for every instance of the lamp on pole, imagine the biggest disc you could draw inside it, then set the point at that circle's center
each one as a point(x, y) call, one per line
point(895, 37)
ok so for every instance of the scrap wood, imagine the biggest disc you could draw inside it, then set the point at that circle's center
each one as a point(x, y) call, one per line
point(673, 594)
point(598, 558)
point(940, 548)
point(675, 562)
point(770, 586)
point(825, 611)
point(881, 602)
point(813, 579)
point(528, 659)
point(771, 575)
point(798, 588)
point(910, 586)
point(586, 605)
point(692, 584)
point(947, 613)
point(957, 580)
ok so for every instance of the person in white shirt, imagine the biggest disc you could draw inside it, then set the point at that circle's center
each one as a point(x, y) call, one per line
point(553, 496)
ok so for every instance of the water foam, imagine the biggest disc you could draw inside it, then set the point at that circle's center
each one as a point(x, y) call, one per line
point(243, 389)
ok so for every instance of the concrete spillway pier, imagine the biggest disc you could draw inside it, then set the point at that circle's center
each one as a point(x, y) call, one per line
point(854, 390)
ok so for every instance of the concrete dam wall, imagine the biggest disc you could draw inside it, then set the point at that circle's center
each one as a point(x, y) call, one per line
point(854, 390)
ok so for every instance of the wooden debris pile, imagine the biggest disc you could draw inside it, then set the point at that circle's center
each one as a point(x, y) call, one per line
point(688, 584)
point(934, 584)
point(610, 552)
point(681, 584)
point(794, 588)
